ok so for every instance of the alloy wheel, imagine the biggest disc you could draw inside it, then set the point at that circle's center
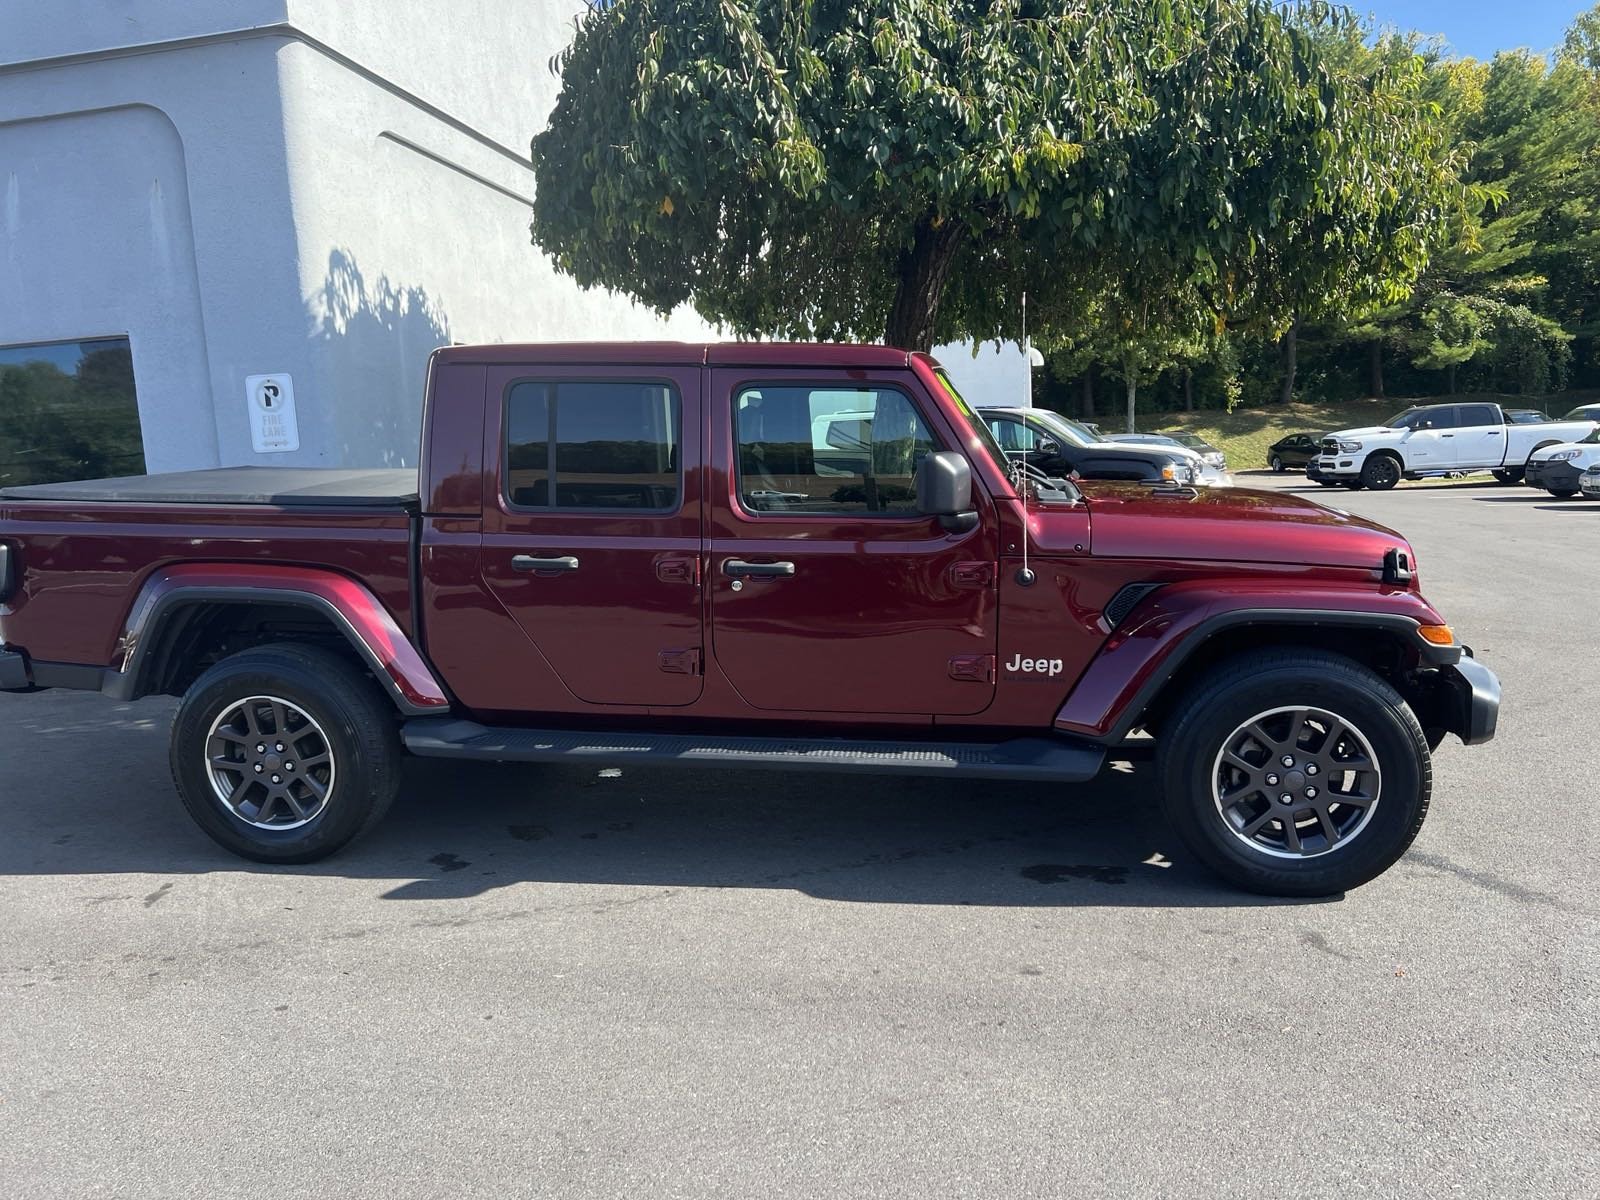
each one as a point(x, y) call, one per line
point(1296, 782)
point(270, 764)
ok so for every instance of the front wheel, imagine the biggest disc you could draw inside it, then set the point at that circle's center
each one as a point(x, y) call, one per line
point(284, 754)
point(1509, 475)
point(1296, 773)
point(1380, 472)
point(1563, 493)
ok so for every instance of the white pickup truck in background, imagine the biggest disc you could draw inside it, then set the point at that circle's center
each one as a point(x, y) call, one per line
point(1440, 439)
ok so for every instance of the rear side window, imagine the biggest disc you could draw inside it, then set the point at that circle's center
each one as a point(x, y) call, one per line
point(1477, 416)
point(593, 445)
point(829, 450)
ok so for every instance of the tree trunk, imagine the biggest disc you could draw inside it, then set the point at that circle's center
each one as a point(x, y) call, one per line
point(923, 271)
point(1133, 392)
point(1188, 389)
point(1291, 360)
point(1377, 369)
point(1453, 378)
point(1087, 407)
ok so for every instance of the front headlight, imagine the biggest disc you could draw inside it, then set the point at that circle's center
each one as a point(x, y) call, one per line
point(1565, 455)
point(1349, 447)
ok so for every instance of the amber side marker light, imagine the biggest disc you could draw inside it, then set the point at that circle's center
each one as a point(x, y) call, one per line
point(1437, 635)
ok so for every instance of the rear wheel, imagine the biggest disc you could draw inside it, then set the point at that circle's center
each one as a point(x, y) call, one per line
point(1563, 493)
point(1380, 472)
point(1276, 464)
point(286, 753)
point(1509, 475)
point(1296, 773)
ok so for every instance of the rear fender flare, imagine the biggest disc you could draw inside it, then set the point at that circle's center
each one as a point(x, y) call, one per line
point(1154, 642)
point(347, 604)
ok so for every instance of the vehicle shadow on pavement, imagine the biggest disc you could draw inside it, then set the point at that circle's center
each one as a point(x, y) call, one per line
point(465, 830)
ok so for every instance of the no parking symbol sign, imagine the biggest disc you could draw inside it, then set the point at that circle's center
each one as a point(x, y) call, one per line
point(273, 427)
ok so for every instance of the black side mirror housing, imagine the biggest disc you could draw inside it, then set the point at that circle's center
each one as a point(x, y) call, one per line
point(1047, 448)
point(944, 490)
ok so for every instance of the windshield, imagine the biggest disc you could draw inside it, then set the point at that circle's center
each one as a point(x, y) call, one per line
point(1401, 420)
point(1594, 437)
point(1584, 412)
point(980, 427)
point(1191, 441)
point(1066, 429)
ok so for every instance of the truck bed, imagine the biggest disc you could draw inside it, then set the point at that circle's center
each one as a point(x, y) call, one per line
point(287, 487)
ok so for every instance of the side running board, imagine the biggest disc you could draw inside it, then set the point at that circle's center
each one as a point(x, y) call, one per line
point(1052, 759)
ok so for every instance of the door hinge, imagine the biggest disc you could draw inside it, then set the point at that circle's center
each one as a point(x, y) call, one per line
point(681, 662)
point(972, 668)
point(972, 574)
point(678, 570)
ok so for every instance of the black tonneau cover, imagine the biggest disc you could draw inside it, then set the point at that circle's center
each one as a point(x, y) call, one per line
point(285, 486)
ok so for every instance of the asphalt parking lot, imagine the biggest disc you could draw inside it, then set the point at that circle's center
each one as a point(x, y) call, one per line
point(547, 982)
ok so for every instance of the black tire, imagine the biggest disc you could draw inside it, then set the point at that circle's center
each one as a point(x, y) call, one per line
point(343, 711)
point(1276, 464)
point(1562, 493)
point(1328, 482)
point(1355, 485)
point(1249, 687)
point(1380, 472)
point(1509, 475)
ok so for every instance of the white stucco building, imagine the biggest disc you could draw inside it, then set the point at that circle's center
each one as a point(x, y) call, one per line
point(320, 190)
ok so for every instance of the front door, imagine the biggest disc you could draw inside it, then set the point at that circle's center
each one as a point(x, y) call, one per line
point(1431, 446)
point(829, 592)
point(1480, 439)
point(593, 540)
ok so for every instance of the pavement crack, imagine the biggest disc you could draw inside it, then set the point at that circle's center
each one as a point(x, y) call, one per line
point(156, 896)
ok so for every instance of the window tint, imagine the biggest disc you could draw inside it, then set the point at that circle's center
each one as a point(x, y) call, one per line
point(593, 445)
point(1474, 416)
point(68, 411)
point(828, 449)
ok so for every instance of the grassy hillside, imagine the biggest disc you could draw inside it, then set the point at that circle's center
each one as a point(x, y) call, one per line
point(1245, 434)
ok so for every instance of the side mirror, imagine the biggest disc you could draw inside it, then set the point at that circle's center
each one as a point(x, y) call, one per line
point(1047, 448)
point(944, 490)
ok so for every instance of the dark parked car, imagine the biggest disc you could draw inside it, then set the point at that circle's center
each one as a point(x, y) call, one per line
point(1296, 450)
point(1526, 416)
point(1060, 446)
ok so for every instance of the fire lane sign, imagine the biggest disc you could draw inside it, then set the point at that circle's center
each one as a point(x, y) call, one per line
point(273, 427)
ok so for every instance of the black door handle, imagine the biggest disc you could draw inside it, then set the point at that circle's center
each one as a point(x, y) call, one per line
point(527, 562)
point(735, 567)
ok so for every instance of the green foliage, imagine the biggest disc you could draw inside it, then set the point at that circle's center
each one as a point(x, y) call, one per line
point(909, 168)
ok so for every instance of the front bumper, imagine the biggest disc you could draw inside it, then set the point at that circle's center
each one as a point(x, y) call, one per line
point(1475, 694)
point(14, 675)
point(1589, 484)
point(1560, 476)
point(1337, 468)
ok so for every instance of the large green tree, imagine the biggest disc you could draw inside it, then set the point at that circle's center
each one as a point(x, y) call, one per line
point(907, 169)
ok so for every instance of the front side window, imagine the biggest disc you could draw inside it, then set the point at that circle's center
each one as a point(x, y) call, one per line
point(593, 445)
point(828, 450)
point(68, 411)
point(1014, 437)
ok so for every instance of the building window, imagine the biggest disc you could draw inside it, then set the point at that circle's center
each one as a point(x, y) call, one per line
point(68, 411)
point(593, 445)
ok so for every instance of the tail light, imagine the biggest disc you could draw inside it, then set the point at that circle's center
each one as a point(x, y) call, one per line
point(8, 572)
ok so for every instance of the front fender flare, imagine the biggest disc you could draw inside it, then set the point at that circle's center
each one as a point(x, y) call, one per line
point(1153, 642)
point(348, 604)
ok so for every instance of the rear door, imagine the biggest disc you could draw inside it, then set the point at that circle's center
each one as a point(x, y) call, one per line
point(829, 592)
point(592, 539)
point(1480, 436)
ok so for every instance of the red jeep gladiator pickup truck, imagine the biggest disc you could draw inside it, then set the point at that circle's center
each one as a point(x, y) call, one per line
point(795, 556)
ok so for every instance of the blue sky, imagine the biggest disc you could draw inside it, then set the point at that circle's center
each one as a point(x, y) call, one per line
point(1480, 27)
